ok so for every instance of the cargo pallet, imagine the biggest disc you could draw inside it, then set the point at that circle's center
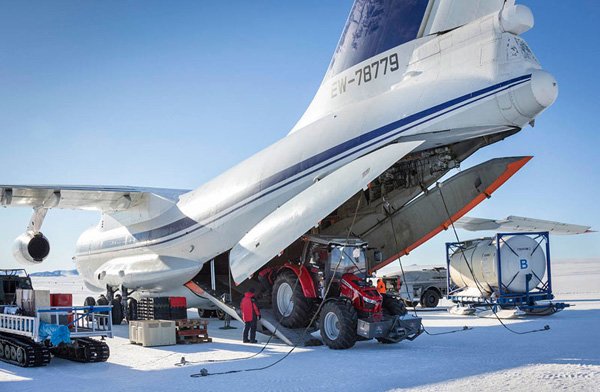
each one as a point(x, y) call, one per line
point(192, 331)
point(162, 308)
point(502, 298)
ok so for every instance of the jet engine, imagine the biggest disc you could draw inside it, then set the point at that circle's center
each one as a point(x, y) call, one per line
point(31, 248)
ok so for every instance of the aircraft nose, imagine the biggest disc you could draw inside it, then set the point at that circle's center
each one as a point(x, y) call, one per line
point(544, 88)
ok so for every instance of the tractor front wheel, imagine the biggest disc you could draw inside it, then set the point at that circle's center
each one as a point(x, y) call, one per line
point(338, 324)
point(394, 306)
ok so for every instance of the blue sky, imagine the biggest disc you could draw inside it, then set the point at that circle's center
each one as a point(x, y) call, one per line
point(170, 94)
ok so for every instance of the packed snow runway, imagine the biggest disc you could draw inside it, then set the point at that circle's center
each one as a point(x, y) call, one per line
point(565, 357)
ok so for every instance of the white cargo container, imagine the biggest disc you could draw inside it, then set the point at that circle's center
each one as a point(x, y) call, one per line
point(151, 333)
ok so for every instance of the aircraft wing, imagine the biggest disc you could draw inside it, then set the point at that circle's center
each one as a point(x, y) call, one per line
point(101, 198)
point(295, 217)
point(519, 224)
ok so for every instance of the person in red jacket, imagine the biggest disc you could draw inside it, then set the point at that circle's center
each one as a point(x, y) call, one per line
point(251, 315)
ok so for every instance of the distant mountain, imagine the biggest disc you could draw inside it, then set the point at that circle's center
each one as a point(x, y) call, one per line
point(56, 273)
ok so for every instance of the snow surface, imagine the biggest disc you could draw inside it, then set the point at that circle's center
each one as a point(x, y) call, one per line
point(567, 357)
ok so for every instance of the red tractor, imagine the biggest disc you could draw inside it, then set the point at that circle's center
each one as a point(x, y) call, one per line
point(352, 308)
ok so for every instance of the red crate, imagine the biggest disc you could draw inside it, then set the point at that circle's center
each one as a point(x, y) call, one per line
point(61, 299)
point(178, 302)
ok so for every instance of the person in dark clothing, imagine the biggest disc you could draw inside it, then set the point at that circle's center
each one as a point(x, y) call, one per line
point(250, 315)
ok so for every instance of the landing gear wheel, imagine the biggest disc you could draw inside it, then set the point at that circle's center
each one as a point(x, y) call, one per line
point(291, 306)
point(220, 314)
point(430, 299)
point(1, 350)
point(102, 300)
point(89, 301)
point(394, 306)
point(338, 325)
point(205, 313)
point(117, 312)
point(132, 309)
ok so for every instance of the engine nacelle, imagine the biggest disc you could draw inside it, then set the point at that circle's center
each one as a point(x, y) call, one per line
point(30, 248)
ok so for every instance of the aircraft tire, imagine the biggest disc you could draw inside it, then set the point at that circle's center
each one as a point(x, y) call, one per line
point(220, 314)
point(89, 301)
point(117, 312)
point(205, 313)
point(132, 313)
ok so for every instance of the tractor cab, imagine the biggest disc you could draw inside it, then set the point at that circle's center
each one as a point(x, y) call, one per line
point(332, 258)
point(343, 262)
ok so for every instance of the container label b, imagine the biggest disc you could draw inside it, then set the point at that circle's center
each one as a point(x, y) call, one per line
point(523, 264)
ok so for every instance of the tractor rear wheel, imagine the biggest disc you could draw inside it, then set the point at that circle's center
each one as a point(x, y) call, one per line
point(338, 324)
point(394, 306)
point(289, 304)
point(430, 299)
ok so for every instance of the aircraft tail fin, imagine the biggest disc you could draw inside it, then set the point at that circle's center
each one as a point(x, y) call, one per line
point(373, 27)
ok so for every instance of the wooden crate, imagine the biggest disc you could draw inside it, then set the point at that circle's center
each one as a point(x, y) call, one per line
point(192, 331)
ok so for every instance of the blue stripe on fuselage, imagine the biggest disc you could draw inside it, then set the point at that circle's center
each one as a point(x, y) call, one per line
point(312, 165)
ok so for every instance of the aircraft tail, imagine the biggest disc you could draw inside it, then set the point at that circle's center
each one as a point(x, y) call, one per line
point(373, 27)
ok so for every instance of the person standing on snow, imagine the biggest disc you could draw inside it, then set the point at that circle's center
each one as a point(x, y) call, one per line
point(251, 315)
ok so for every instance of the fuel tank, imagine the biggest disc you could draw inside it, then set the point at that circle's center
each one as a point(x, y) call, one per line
point(480, 264)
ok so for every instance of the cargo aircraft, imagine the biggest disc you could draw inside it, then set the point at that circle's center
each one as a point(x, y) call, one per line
point(413, 89)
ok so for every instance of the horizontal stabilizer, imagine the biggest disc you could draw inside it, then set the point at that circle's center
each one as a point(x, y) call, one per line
point(304, 211)
point(519, 224)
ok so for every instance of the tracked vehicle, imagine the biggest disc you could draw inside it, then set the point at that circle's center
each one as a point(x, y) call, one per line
point(22, 341)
